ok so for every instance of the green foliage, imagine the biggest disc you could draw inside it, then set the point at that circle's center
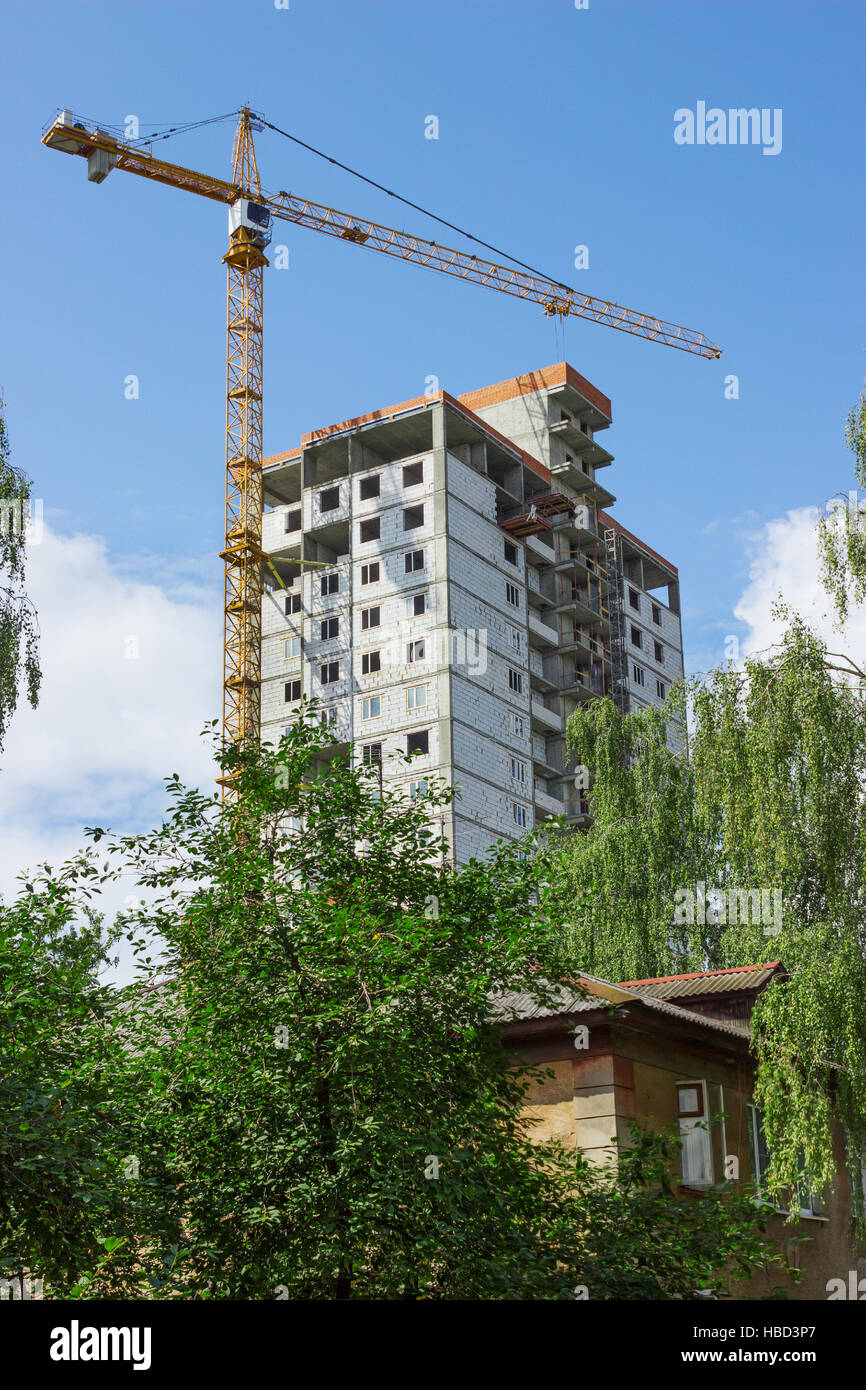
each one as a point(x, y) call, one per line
point(616, 884)
point(842, 534)
point(19, 634)
point(55, 1103)
point(770, 799)
point(317, 1100)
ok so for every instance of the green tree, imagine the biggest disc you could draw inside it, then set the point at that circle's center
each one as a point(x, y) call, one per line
point(770, 801)
point(315, 1089)
point(842, 534)
point(19, 634)
point(56, 1185)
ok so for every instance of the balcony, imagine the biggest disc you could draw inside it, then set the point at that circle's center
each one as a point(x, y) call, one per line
point(545, 553)
point(548, 636)
point(533, 515)
point(548, 804)
point(545, 718)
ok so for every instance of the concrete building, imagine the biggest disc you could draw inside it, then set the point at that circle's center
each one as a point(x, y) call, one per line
point(451, 584)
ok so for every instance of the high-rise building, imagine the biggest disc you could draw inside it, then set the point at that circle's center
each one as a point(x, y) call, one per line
point(453, 586)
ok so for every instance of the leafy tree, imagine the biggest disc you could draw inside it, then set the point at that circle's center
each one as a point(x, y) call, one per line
point(316, 1093)
point(842, 534)
point(55, 1185)
point(18, 628)
point(770, 799)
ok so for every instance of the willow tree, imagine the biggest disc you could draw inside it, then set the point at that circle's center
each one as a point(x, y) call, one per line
point(18, 627)
point(842, 534)
point(750, 849)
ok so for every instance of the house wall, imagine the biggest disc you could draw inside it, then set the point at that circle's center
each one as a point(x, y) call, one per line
point(624, 1074)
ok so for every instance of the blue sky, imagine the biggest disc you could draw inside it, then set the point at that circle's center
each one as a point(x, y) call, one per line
point(555, 129)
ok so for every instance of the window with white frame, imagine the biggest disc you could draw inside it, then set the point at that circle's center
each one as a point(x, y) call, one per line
point(416, 697)
point(413, 560)
point(418, 789)
point(293, 691)
point(518, 814)
point(638, 675)
point(696, 1157)
point(329, 584)
point(415, 650)
point(661, 690)
point(370, 573)
point(371, 708)
point(293, 604)
point(512, 594)
point(515, 681)
point(328, 716)
point(293, 647)
point(416, 605)
point(518, 725)
point(329, 629)
point(518, 770)
point(513, 636)
point(329, 672)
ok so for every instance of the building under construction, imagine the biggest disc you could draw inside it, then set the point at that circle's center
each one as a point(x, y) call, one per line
point(452, 586)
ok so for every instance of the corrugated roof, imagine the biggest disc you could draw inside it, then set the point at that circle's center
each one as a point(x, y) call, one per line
point(744, 977)
point(519, 1007)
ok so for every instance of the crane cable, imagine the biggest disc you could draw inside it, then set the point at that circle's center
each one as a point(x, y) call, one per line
point(452, 226)
point(180, 129)
point(417, 206)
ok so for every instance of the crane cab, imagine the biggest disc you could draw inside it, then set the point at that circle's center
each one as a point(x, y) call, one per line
point(255, 218)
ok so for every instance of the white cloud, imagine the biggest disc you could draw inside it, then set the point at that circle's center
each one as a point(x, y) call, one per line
point(131, 671)
point(785, 559)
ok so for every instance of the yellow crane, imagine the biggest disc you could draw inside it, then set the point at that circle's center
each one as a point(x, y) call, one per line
point(250, 214)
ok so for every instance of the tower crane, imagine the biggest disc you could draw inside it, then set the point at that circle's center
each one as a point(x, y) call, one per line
point(250, 213)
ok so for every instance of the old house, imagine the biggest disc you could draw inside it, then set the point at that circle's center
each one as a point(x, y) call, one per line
point(675, 1051)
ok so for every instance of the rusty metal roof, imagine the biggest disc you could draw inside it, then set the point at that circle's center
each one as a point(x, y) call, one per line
point(701, 982)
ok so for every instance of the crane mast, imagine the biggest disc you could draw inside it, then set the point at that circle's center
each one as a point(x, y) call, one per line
point(250, 213)
point(243, 556)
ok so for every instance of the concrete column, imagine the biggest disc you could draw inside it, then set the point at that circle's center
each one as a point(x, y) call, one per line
point(443, 590)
